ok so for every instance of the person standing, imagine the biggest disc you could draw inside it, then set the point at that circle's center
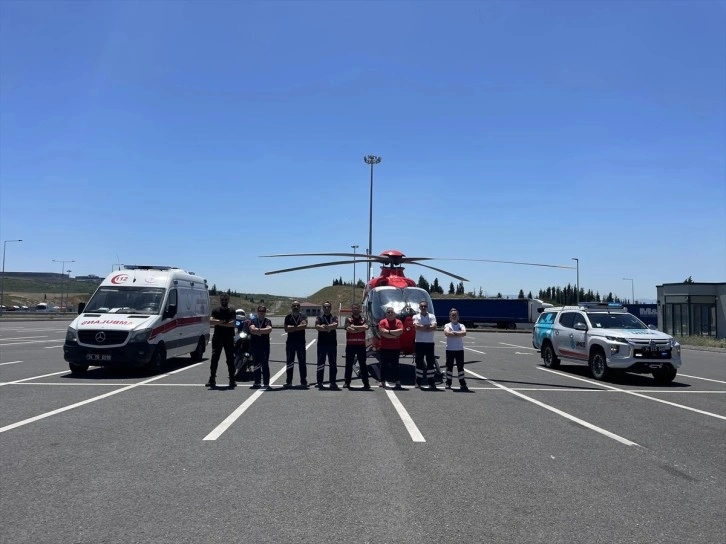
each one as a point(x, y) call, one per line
point(425, 325)
point(355, 346)
point(260, 329)
point(390, 329)
point(223, 320)
point(295, 325)
point(455, 333)
point(326, 325)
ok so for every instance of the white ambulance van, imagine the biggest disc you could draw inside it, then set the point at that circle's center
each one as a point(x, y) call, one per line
point(140, 316)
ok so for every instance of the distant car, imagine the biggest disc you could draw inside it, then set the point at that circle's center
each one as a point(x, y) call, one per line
point(608, 339)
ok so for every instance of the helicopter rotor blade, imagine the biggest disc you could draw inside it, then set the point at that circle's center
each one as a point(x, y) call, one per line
point(511, 262)
point(442, 271)
point(358, 256)
point(318, 265)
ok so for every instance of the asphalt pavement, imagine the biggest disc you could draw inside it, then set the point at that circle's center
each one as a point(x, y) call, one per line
point(529, 455)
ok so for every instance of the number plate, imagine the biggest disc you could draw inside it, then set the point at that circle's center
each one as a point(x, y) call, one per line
point(97, 357)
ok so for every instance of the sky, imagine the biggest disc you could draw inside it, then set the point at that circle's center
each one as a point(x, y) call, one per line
point(204, 135)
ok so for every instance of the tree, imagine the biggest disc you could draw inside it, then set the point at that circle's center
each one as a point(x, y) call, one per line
point(499, 295)
point(451, 288)
point(529, 295)
point(423, 284)
point(689, 279)
point(521, 294)
point(460, 288)
point(436, 288)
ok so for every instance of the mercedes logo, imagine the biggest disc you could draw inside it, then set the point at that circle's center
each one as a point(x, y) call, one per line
point(652, 342)
point(100, 337)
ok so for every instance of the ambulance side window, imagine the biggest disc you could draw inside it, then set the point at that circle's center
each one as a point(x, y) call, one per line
point(172, 304)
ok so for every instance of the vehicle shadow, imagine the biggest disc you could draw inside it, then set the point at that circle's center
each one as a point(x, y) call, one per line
point(621, 378)
point(116, 373)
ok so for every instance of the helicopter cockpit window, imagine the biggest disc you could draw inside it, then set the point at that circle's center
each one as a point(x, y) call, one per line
point(404, 301)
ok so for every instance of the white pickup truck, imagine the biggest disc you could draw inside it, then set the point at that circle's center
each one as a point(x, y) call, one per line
point(606, 338)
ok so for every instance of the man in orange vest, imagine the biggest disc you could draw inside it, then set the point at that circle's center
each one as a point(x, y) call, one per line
point(355, 346)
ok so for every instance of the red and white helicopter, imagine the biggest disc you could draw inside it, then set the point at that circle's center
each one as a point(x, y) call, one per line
point(391, 289)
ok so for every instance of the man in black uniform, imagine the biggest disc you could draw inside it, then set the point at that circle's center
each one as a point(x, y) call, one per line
point(222, 319)
point(326, 325)
point(295, 325)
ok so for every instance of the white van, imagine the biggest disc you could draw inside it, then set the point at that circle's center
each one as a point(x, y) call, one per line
point(140, 316)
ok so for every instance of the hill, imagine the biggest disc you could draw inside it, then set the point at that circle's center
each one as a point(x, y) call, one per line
point(31, 288)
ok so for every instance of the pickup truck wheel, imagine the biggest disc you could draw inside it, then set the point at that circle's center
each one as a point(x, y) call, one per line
point(598, 365)
point(198, 353)
point(549, 358)
point(77, 369)
point(665, 375)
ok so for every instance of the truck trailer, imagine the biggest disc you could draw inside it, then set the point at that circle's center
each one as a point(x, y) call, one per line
point(505, 313)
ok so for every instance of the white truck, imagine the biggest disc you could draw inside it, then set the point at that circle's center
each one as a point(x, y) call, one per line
point(608, 339)
point(140, 316)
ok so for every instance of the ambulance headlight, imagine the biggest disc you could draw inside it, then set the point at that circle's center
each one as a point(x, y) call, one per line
point(140, 335)
point(71, 335)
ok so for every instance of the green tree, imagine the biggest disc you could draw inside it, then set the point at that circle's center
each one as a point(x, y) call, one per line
point(451, 288)
point(689, 279)
point(423, 284)
point(521, 294)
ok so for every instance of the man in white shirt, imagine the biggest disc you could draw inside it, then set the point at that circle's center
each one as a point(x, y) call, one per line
point(424, 324)
point(455, 333)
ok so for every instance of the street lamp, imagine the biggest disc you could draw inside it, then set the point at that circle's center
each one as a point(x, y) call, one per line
point(63, 267)
point(68, 291)
point(577, 299)
point(2, 279)
point(370, 159)
point(632, 290)
point(354, 248)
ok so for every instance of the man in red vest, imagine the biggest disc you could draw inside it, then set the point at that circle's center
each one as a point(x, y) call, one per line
point(355, 346)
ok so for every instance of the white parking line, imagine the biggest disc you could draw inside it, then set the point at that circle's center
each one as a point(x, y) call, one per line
point(517, 346)
point(87, 401)
point(699, 378)
point(411, 427)
point(559, 412)
point(3, 345)
point(627, 391)
point(242, 408)
point(53, 347)
point(11, 363)
point(475, 351)
point(34, 378)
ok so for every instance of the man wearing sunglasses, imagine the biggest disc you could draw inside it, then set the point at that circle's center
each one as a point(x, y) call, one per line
point(425, 325)
point(295, 325)
point(326, 325)
point(390, 328)
point(260, 329)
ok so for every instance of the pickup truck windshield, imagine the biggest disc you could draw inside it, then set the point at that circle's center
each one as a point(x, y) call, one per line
point(615, 321)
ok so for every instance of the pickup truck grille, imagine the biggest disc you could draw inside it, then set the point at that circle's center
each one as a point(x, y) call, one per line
point(102, 338)
point(644, 349)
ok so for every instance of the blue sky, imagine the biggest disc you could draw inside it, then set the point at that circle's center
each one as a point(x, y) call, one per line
point(205, 134)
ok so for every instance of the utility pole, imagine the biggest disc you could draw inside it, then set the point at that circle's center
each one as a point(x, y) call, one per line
point(2, 279)
point(370, 159)
point(577, 297)
point(63, 267)
point(354, 248)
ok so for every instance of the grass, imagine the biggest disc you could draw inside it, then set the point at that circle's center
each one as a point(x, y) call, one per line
point(702, 341)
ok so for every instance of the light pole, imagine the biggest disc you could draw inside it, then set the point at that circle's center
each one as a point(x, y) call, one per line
point(370, 159)
point(68, 291)
point(632, 290)
point(577, 298)
point(2, 279)
point(354, 248)
point(63, 267)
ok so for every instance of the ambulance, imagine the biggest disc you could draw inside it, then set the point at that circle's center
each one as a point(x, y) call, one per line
point(140, 316)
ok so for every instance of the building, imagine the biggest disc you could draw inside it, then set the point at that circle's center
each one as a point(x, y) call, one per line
point(692, 309)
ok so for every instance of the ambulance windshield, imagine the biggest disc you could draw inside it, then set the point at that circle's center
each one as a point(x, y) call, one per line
point(126, 300)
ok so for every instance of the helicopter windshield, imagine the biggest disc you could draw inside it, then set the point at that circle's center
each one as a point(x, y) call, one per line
point(404, 301)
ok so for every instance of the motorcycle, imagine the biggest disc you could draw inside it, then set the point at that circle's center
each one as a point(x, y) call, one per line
point(243, 361)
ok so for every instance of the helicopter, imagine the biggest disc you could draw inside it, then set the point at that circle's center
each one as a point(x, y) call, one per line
point(391, 289)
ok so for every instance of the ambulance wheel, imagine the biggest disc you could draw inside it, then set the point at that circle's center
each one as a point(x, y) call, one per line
point(198, 354)
point(77, 369)
point(156, 364)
